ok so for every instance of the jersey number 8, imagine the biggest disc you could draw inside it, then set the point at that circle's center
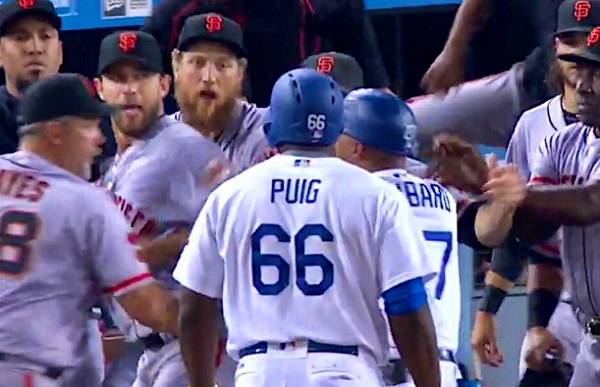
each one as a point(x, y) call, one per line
point(301, 258)
point(17, 230)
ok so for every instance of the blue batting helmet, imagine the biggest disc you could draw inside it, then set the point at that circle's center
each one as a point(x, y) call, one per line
point(306, 109)
point(381, 121)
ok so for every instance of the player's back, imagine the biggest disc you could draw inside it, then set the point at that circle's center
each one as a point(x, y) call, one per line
point(45, 278)
point(306, 240)
point(434, 209)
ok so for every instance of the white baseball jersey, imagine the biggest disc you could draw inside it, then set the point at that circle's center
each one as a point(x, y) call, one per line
point(434, 209)
point(303, 241)
point(62, 241)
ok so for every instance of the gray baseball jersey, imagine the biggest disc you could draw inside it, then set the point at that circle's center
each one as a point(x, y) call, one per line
point(533, 126)
point(572, 156)
point(61, 240)
point(158, 184)
point(243, 142)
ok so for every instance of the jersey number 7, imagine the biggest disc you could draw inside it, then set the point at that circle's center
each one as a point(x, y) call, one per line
point(301, 258)
point(446, 238)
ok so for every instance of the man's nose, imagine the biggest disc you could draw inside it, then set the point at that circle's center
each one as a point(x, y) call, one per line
point(208, 73)
point(35, 45)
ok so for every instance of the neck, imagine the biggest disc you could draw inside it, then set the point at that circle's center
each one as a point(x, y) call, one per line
point(381, 165)
point(12, 89)
point(123, 141)
point(568, 100)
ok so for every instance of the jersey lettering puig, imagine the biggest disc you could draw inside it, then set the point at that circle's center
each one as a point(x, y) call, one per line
point(317, 237)
point(434, 209)
point(157, 183)
point(62, 241)
point(573, 155)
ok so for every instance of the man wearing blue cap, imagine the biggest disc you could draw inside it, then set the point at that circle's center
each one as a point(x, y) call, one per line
point(379, 134)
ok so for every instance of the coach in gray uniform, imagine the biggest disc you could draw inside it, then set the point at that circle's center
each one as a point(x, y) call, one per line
point(209, 66)
point(62, 239)
point(158, 178)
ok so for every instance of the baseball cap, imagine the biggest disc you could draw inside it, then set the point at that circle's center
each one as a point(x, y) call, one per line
point(578, 16)
point(212, 27)
point(344, 69)
point(130, 45)
point(58, 96)
point(591, 52)
point(13, 9)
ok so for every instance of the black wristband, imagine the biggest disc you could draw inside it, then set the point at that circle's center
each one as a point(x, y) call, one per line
point(542, 303)
point(493, 298)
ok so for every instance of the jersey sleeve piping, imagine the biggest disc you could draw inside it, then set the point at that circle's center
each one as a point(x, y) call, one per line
point(126, 285)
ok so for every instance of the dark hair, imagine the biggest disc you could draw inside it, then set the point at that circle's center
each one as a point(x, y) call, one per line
point(555, 78)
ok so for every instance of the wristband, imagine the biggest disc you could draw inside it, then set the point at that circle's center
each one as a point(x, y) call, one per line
point(493, 298)
point(542, 303)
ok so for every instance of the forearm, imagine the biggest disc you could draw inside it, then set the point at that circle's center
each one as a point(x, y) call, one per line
point(469, 17)
point(162, 253)
point(493, 223)
point(545, 283)
point(563, 205)
point(421, 360)
point(198, 342)
point(154, 307)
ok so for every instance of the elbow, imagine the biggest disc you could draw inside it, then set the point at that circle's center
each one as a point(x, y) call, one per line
point(489, 238)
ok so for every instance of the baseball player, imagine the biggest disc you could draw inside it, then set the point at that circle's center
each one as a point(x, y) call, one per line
point(379, 132)
point(348, 74)
point(158, 178)
point(62, 239)
point(209, 66)
point(531, 128)
point(567, 157)
point(313, 254)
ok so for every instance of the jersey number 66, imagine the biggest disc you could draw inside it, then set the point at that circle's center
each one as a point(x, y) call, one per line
point(301, 258)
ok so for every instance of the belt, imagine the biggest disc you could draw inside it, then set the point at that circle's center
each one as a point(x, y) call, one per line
point(312, 347)
point(396, 372)
point(49, 372)
point(155, 341)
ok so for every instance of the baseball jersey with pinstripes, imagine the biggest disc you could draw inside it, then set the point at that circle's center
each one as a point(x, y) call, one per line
point(572, 156)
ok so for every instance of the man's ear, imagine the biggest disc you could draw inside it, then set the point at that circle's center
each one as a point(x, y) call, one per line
point(176, 60)
point(99, 88)
point(165, 85)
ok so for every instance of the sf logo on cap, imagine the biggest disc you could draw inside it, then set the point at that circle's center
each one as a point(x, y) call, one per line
point(214, 23)
point(325, 64)
point(26, 4)
point(581, 10)
point(593, 37)
point(127, 41)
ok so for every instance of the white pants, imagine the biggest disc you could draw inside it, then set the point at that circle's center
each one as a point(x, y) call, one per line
point(297, 368)
point(449, 374)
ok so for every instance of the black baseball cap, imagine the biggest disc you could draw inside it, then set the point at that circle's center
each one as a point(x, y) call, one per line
point(130, 45)
point(214, 28)
point(344, 69)
point(591, 52)
point(12, 10)
point(578, 16)
point(61, 95)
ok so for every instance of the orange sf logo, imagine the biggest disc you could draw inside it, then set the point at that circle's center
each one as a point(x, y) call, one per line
point(214, 23)
point(325, 64)
point(581, 10)
point(127, 41)
point(593, 37)
point(26, 4)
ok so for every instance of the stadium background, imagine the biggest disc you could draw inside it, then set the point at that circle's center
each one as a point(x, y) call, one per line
point(411, 33)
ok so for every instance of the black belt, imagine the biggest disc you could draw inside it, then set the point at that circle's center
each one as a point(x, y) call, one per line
point(153, 342)
point(312, 347)
point(397, 373)
point(49, 372)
